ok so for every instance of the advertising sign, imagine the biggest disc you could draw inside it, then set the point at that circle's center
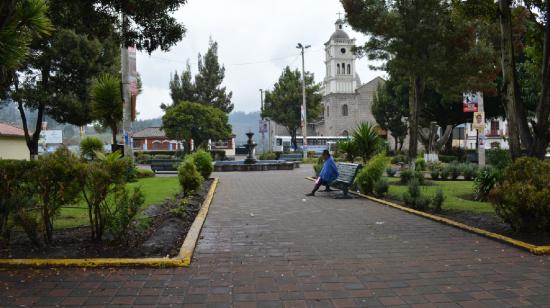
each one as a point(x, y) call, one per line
point(51, 137)
point(263, 127)
point(470, 102)
point(479, 121)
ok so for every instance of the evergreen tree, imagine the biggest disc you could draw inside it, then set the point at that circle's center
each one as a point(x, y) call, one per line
point(208, 82)
point(389, 108)
point(283, 103)
point(182, 88)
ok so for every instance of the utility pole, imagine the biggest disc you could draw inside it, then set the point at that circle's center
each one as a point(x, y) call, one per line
point(304, 106)
point(127, 104)
point(481, 133)
point(262, 119)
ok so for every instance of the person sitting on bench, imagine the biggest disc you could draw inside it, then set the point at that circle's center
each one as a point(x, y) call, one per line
point(328, 174)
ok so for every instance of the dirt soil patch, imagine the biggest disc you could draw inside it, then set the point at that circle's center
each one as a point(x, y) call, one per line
point(488, 222)
point(159, 231)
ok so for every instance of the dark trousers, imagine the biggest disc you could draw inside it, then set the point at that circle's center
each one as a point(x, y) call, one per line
point(319, 184)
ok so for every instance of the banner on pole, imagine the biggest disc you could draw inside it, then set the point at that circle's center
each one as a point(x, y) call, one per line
point(263, 127)
point(470, 102)
point(479, 121)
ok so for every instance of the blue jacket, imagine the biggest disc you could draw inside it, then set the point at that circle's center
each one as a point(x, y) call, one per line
point(329, 172)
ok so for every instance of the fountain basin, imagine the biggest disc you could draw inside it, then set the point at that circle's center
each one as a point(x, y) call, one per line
point(260, 165)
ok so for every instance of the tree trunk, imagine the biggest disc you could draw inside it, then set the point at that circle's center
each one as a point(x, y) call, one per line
point(415, 96)
point(541, 128)
point(518, 129)
point(292, 132)
point(114, 131)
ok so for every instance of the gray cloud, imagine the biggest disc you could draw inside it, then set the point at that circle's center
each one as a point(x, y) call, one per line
point(257, 39)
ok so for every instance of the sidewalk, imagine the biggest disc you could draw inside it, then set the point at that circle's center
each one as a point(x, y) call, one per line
point(264, 244)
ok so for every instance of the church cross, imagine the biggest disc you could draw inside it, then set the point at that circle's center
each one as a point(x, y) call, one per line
point(339, 15)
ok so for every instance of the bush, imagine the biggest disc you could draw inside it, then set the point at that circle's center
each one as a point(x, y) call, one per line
point(420, 164)
point(57, 183)
point(123, 211)
point(438, 199)
point(454, 169)
point(434, 174)
point(445, 173)
point(162, 156)
point(190, 179)
point(143, 158)
point(16, 198)
point(347, 149)
point(484, 182)
point(522, 197)
point(89, 146)
point(144, 173)
point(391, 172)
point(413, 196)
point(447, 158)
point(371, 173)
point(203, 162)
point(469, 171)
point(318, 166)
point(268, 156)
point(399, 159)
point(498, 158)
point(103, 184)
point(381, 187)
point(407, 175)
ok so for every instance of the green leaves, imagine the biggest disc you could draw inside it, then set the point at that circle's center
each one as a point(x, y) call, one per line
point(107, 102)
point(199, 122)
point(366, 140)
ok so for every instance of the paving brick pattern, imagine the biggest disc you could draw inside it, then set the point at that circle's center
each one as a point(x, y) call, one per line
point(265, 244)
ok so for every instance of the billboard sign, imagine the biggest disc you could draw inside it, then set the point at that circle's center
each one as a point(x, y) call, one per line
point(478, 121)
point(51, 137)
point(470, 102)
point(263, 127)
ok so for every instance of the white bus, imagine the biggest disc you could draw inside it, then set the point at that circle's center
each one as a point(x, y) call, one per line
point(314, 143)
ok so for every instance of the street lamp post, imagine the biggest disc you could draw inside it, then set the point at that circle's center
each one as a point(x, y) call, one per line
point(304, 106)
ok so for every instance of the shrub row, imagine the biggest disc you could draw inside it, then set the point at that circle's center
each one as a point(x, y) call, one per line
point(453, 170)
point(192, 172)
point(33, 193)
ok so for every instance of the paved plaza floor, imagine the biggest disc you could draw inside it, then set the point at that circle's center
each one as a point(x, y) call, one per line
point(264, 244)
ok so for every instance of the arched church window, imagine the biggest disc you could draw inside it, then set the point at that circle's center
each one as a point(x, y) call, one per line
point(338, 68)
point(345, 133)
point(328, 113)
point(345, 110)
point(343, 68)
point(349, 69)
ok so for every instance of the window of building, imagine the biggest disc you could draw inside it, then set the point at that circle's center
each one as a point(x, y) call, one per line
point(345, 110)
point(345, 133)
point(494, 128)
point(328, 113)
point(349, 69)
point(495, 145)
point(338, 68)
point(343, 68)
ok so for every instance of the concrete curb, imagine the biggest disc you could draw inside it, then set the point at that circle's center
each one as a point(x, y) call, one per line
point(183, 259)
point(534, 249)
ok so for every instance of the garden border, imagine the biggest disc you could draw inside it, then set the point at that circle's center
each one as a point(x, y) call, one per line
point(183, 259)
point(534, 249)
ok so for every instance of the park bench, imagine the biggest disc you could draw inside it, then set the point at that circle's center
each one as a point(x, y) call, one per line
point(346, 175)
point(291, 157)
point(164, 164)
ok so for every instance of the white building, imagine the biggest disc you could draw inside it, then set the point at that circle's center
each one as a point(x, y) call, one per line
point(496, 135)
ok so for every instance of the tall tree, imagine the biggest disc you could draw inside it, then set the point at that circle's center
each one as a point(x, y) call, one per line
point(147, 24)
point(182, 88)
point(283, 103)
point(107, 102)
point(188, 121)
point(208, 82)
point(422, 42)
point(20, 22)
point(390, 108)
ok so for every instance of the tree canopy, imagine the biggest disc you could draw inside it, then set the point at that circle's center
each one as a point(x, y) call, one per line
point(207, 87)
point(107, 102)
point(188, 120)
point(283, 103)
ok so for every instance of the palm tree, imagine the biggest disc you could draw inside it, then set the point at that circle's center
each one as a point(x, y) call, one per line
point(20, 22)
point(366, 140)
point(107, 102)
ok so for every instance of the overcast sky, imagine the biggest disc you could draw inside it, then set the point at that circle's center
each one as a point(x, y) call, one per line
point(256, 38)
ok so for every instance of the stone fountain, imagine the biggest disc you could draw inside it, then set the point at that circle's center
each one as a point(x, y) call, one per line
point(250, 146)
point(250, 163)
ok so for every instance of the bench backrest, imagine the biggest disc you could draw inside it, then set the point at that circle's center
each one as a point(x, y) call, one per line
point(347, 172)
point(165, 164)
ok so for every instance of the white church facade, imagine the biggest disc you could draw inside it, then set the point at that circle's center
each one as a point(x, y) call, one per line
point(346, 101)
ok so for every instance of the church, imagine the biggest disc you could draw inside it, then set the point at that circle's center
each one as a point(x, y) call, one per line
point(346, 101)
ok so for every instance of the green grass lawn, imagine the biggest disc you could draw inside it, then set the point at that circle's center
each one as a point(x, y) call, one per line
point(452, 190)
point(155, 190)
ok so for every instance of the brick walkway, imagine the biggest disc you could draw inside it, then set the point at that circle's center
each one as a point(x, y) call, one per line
point(264, 245)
